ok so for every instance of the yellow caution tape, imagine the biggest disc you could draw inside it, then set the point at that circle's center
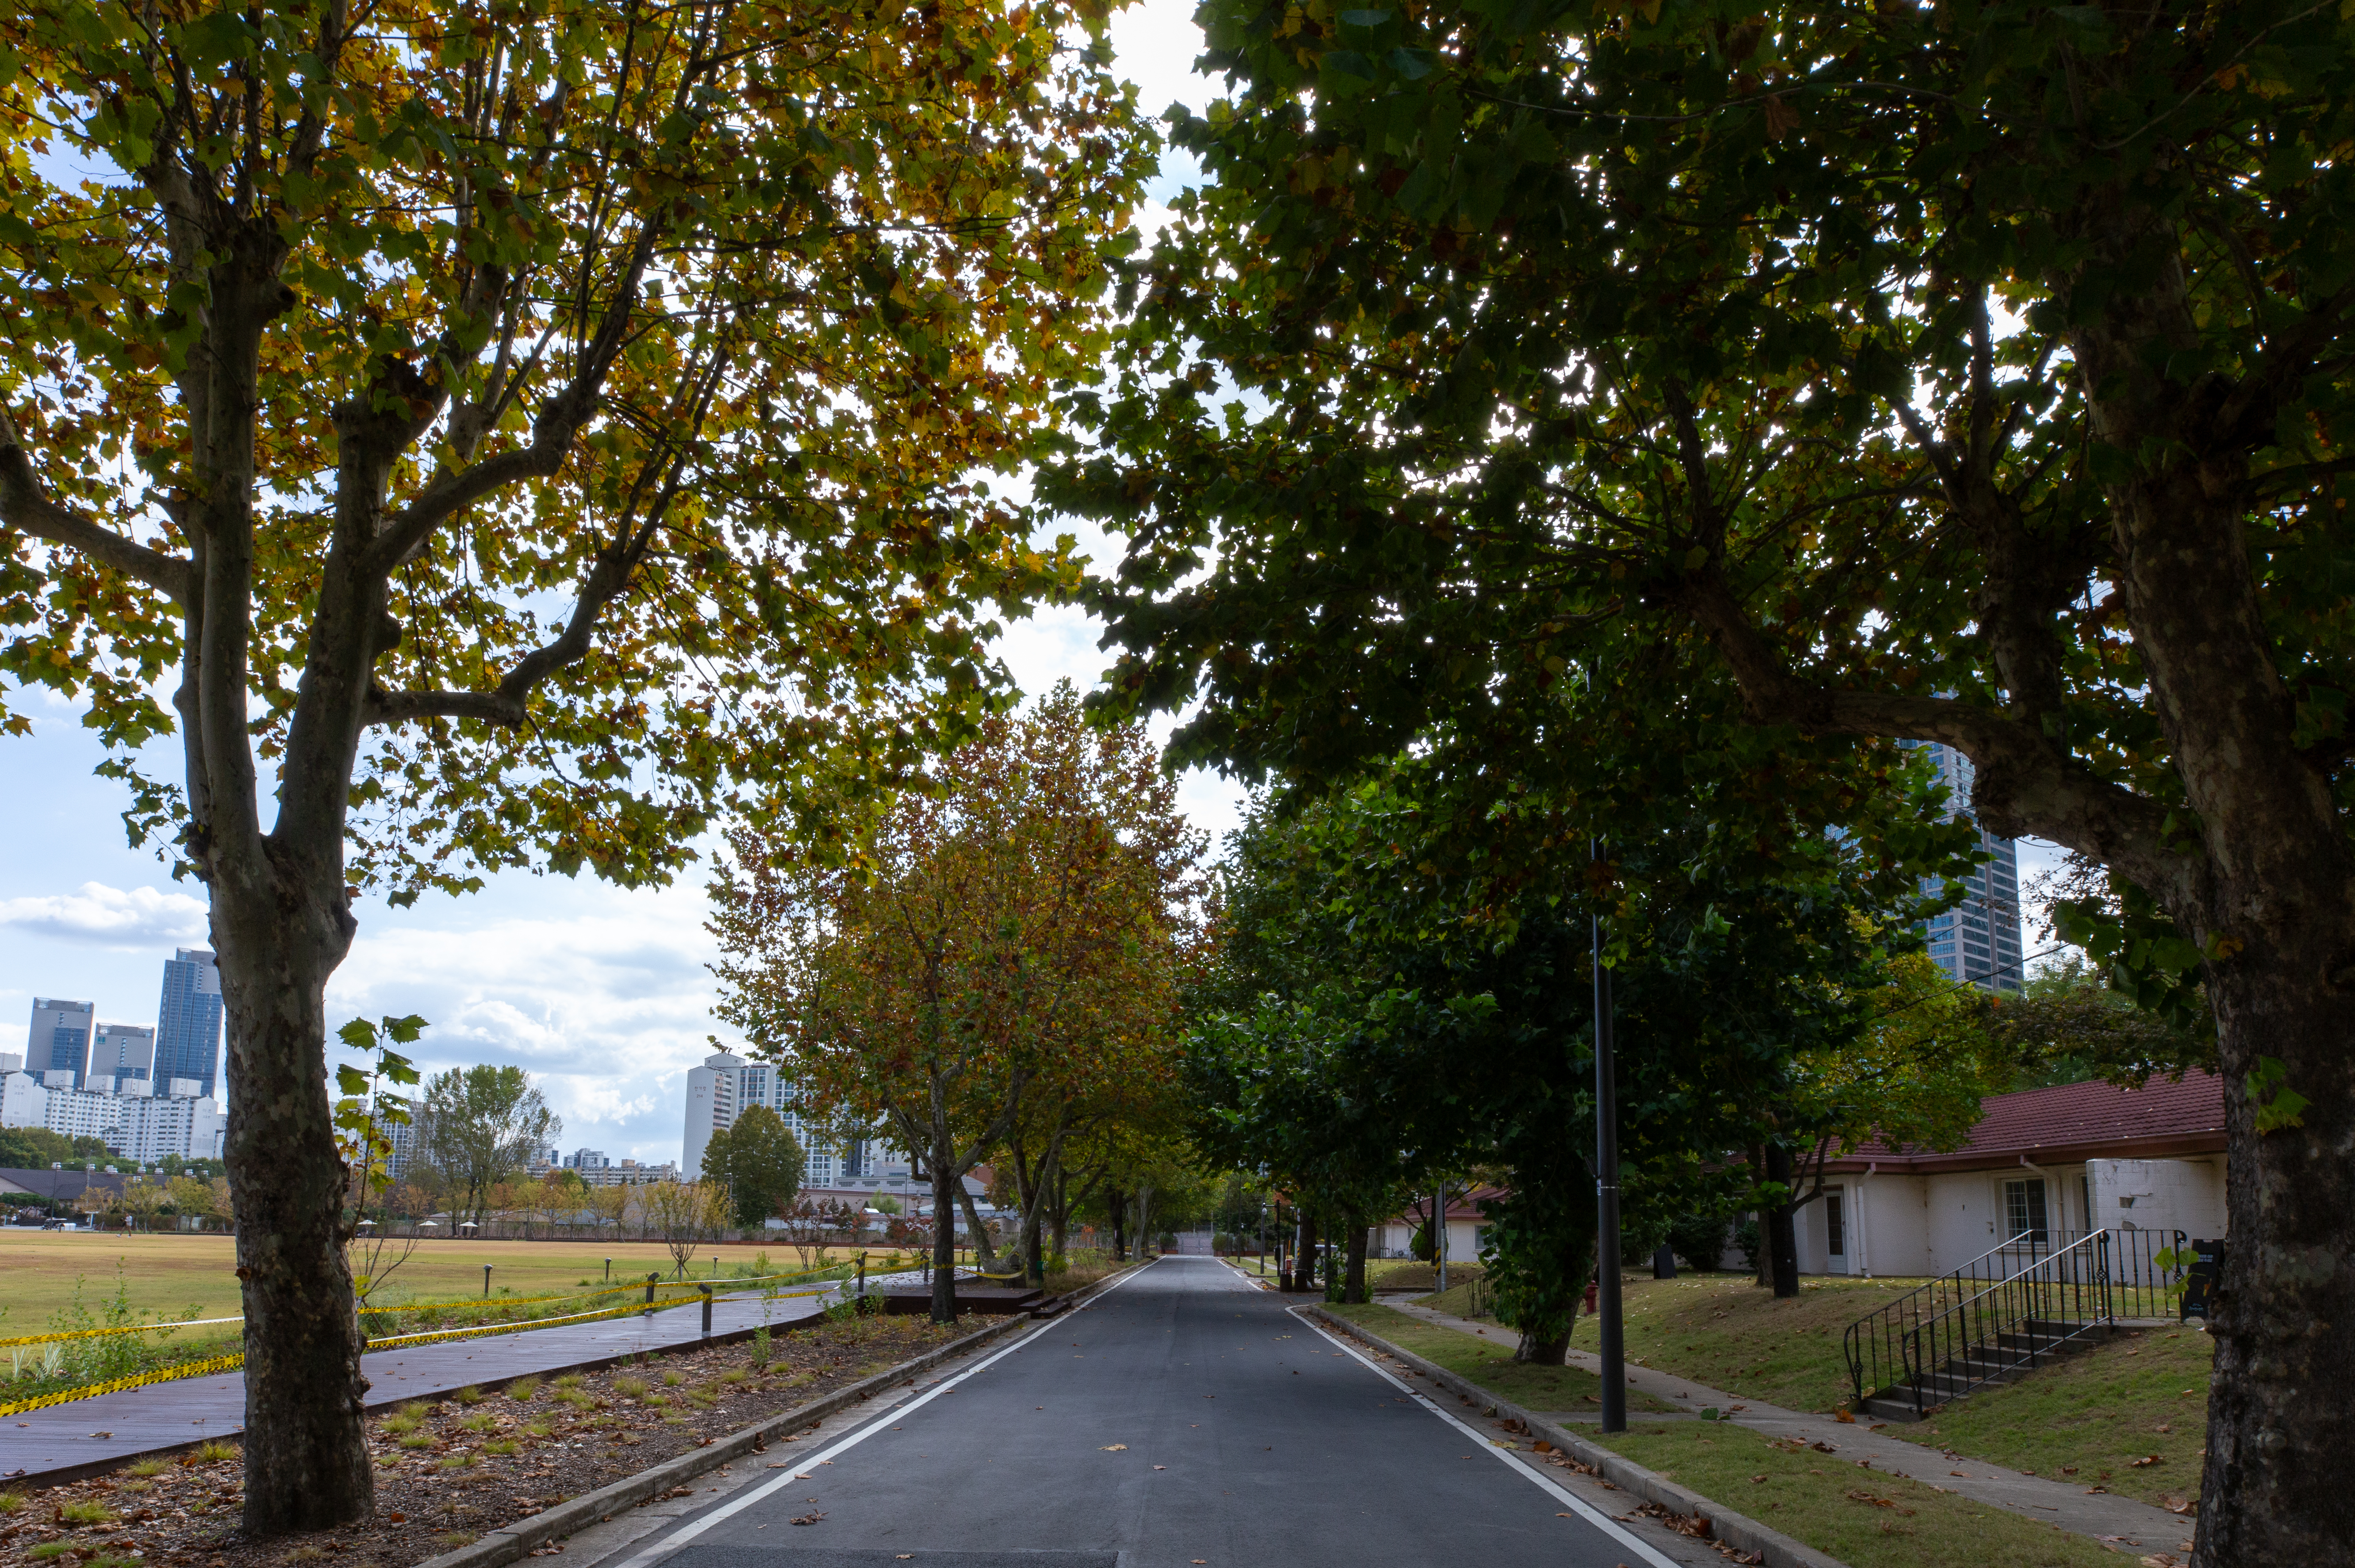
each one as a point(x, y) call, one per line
point(229, 1362)
point(116, 1385)
point(102, 1333)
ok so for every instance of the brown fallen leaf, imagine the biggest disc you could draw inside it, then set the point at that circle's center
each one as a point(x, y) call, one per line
point(2174, 1504)
point(1823, 1447)
point(1113, 1447)
point(808, 1517)
point(2145, 1462)
point(1842, 1416)
point(1756, 1479)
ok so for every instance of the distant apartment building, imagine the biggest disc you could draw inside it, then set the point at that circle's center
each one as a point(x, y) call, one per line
point(1977, 941)
point(628, 1173)
point(128, 1117)
point(587, 1159)
point(125, 1052)
point(726, 1085)
point(59, 1040)
point(188, 1019)
point(401, 1135)
point(148, 1127)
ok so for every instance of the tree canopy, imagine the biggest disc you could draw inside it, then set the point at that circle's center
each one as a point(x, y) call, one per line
point(757, 1162)
point(1005, 949)
point(488, 436)
point(1970, 372)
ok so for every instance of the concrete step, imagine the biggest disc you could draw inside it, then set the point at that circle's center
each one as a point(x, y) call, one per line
point(1888, 1407)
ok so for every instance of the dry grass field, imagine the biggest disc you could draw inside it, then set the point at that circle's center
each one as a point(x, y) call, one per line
point(168, 1274)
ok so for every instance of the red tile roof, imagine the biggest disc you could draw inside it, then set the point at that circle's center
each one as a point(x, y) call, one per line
point(1465, 1207)
point(2078, 1121)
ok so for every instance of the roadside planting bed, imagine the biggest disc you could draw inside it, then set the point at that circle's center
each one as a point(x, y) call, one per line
point(450, 1470)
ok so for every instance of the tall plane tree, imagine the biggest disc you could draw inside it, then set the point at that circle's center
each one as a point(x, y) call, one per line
point(1976, 372)
point(1007, 941)
point(524, 429)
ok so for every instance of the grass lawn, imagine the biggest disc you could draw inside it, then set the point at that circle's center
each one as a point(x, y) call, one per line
point(1405, 1273)
point(1863, 1518)
point(1729, 1334)
point(2088, 1418)
point(1491, 1366)
point(169, 1273)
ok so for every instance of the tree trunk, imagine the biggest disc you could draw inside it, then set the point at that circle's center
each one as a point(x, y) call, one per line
point(1304, 1252)
point(1116, 1202)
point(984, 1254)
point(1782, 1238)
point(306, 1457)
point(944, 1241)
point(1353, 1281)
point(2280, 1481)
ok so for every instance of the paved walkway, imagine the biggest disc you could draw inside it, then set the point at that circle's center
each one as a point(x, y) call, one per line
point(117, 1426)
point(2105, 1516)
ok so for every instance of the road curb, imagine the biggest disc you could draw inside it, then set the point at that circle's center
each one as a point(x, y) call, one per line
point(1737, 1531)
point(512, 1542)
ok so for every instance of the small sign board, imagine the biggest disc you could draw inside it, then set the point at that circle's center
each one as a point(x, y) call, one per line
point(2199, 1281)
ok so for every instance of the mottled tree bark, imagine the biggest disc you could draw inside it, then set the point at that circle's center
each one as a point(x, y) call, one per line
point(1304, 1256)
point(1353, 1276)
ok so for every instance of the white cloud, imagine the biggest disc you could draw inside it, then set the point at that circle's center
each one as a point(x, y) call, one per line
point(112, 917)
point(600, 994)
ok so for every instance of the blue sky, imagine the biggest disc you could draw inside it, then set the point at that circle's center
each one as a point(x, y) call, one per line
point(603, 995)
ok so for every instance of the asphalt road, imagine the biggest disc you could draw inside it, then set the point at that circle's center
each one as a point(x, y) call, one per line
point(1182, 1418)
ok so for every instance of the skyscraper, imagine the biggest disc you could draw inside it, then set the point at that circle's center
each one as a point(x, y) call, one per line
point(125, 1052)
point(188, 1019)
point(59, 1040)
point(1978, 939)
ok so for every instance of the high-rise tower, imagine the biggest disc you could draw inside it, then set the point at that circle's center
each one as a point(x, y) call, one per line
point(1978, 940)
point(59, 1040)
point(189, 1020)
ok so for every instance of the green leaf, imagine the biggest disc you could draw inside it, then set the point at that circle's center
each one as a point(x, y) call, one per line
point(2277, 1105)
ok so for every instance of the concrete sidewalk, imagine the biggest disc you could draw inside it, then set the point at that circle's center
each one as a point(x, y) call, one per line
point(2120, 1521)
point(65, 1440)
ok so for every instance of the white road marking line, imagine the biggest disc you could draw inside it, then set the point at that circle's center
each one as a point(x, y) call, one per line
point(689, 1531)
point(1586, 1511)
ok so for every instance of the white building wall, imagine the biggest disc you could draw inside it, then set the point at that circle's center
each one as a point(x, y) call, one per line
point(2185, 1195)
point(23, 1102)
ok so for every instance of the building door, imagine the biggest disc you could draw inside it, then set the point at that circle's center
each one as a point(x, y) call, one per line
point(1836, 1231)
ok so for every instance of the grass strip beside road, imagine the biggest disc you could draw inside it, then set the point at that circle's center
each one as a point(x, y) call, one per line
point(1865, 1519)
point(2085, 1419)
point(1727, 1333)
point(1491, 1366)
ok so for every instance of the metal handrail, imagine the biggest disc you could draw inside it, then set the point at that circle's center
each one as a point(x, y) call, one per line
point(1945, 1339)
point(2044, 1305)
point(1872, 1342)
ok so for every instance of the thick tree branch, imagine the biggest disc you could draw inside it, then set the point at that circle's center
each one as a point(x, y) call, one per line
point(552, 433)
point(24, 508)
point(2026, 782)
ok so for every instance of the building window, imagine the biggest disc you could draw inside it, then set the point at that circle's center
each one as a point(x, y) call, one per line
point(1835, 1226)
point(2023, 1212)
